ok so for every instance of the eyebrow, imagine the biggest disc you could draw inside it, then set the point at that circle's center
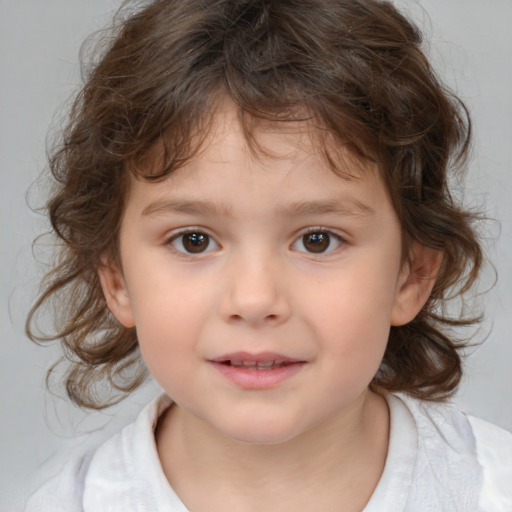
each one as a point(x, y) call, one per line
point(187, 207)
point(345, 207)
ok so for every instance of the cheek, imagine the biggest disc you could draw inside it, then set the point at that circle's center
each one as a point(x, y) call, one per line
point(163, 298)
point(167, 341)
point(169, 315)
point(352, 315)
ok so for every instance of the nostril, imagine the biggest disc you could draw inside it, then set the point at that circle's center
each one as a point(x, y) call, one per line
point(267, 318)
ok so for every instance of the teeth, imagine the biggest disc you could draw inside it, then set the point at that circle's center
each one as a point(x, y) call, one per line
point(267, 364)
point(256, 365)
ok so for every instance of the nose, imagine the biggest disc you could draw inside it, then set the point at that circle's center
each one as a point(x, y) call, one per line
point(255, 293)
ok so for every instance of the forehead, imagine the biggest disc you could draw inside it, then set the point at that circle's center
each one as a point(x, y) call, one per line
point(268, 139)
point(265, 167)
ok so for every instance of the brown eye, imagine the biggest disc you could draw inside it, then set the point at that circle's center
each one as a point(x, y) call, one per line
point(317, 242)
point(193, 242)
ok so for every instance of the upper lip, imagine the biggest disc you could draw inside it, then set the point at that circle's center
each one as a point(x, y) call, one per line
point(261, 357)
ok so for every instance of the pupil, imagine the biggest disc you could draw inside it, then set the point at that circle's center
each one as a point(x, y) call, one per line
point(195, 242)
point(316, 242)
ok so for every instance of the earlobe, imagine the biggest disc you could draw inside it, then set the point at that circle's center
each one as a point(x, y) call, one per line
point(115, 291)
point(416, 282)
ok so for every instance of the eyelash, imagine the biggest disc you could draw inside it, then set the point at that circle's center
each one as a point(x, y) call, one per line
point(191, 231)
point(321, 231)
point(326, 235)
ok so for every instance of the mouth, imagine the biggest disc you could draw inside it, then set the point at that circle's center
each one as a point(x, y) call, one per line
point(253, 365)
point(257, 371)
point(263, 361)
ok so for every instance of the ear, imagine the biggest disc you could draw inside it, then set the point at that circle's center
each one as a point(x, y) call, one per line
point(416, 282)
point(115, 291)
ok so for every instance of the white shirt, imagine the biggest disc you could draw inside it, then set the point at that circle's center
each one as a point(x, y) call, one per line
point(438, 460)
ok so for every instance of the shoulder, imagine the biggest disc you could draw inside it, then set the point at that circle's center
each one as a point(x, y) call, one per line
point(63, 492)
point(494, 453)
point(466, 452)
point(121, 474)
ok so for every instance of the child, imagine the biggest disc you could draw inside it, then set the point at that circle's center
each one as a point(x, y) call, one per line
point(252, 197)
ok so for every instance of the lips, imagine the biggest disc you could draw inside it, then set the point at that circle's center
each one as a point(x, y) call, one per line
point(260, 361)
point(257, 371)
point(256, 365)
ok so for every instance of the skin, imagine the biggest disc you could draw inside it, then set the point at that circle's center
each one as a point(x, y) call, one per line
point(259, 285)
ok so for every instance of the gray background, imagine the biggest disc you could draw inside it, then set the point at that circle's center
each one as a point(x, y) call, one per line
point(471, 44)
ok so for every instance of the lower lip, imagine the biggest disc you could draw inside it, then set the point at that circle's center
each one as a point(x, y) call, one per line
point(258, 379)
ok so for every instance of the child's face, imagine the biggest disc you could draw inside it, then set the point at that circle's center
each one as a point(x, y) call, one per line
point(262, 288)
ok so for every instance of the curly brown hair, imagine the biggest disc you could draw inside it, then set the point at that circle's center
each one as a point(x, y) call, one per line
point(355, 66)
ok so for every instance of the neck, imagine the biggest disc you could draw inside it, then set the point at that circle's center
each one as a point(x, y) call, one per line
point(341, 459)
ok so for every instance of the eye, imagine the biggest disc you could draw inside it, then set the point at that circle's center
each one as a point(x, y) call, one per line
point(317, 242)
point(193, 242)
